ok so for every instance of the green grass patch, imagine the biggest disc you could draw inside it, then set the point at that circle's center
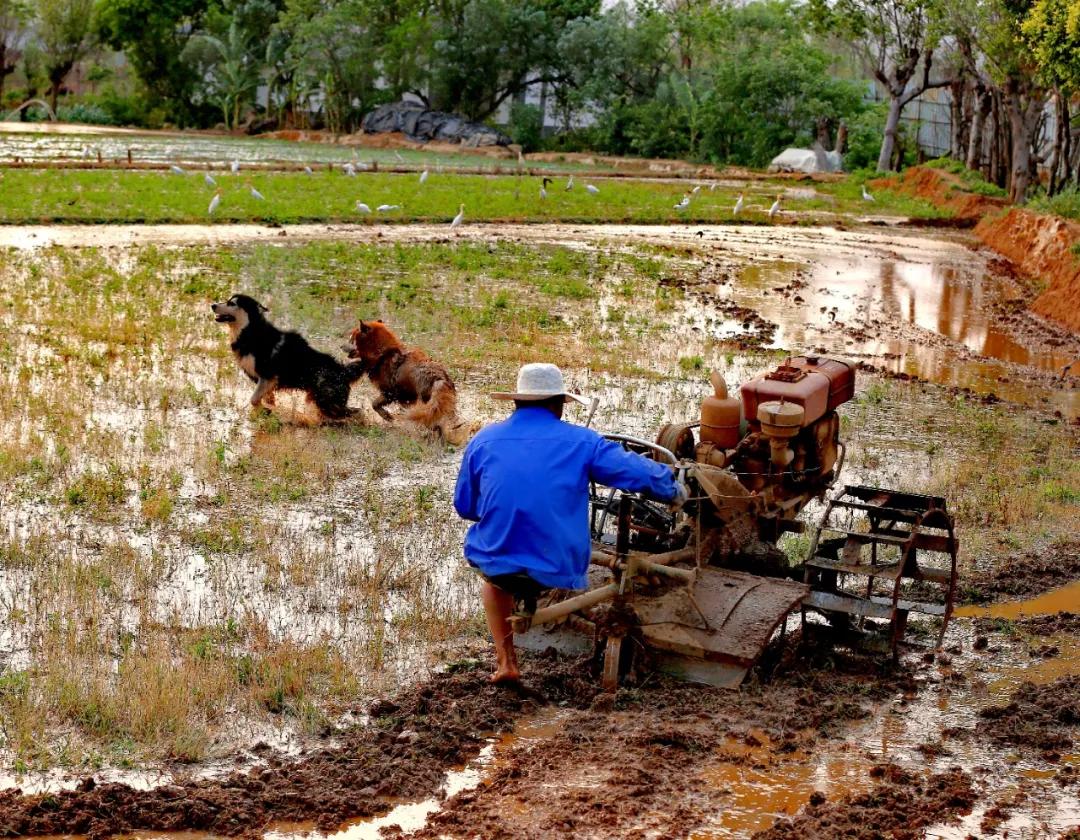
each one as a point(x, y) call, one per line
point(119, 196)
point(972, 181)
point(1065, 204)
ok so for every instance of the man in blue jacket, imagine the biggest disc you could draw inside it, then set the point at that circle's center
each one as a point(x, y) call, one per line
point(525, 483)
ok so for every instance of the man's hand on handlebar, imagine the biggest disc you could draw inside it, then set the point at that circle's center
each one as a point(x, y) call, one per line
point(681, 495)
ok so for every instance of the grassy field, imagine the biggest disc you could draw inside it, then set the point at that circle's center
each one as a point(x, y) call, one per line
point(107, 196)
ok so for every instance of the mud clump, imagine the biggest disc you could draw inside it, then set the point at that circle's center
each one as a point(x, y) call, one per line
point(1062, 623)
point(901, 806)
point(412, 740)
point(1027, 573)
point(1041, 716)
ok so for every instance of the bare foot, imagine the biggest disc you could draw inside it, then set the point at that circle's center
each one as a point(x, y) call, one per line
point(502, 677)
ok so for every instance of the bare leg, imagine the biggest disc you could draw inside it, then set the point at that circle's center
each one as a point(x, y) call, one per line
point(498, 606)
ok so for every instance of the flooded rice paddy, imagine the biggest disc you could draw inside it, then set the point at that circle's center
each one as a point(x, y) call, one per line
point(932, 308)
point(38, 143)
point(187, 584)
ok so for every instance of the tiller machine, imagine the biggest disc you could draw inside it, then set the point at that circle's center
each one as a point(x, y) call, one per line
point(704, 590)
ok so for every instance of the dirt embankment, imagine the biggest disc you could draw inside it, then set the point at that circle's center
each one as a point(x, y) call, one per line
point(1040, 247)
point(942, 189)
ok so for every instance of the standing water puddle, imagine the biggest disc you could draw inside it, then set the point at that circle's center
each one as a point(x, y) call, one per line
point(1064, 599)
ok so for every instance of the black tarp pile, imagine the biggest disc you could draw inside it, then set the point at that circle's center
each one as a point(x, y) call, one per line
point(421, 124)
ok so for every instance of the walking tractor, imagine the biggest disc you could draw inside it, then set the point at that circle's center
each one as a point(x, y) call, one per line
point(701, 592)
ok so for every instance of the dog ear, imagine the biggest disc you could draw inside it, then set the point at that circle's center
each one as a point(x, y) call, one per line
point(363, 328)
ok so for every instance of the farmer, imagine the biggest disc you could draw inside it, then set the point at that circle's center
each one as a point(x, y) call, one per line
point(525, 482)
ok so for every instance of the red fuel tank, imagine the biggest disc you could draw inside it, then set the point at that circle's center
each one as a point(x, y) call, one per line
point(841, 376)
point(815, 383)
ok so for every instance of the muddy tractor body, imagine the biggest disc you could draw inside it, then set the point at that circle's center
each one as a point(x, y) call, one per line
point(701, 592)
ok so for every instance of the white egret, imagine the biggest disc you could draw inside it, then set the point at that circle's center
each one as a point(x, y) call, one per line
point(695, 190)
point(397, 154)
point(214, 202)
point(349, 169)
point(591, 190)
point(570, 183)
point(386, 208)
point(775, 207)
point(738, 206)
point(543, 188)
point(176, 170)
point(308, 171)
point(459, 218)
point(865, 195)
point(423, 176)
point(682, 205)
point(234, 167)
point(712, 186)
point(209, 179)
point(362, 208)
point(254, 192)
point(85, 152)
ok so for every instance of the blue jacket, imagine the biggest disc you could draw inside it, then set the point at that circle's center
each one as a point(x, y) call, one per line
point(525, 483)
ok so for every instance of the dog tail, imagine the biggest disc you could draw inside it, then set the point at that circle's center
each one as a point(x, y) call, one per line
point(354, 371)
point(440, 405)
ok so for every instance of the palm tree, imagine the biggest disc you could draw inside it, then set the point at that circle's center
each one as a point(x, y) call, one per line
point(229, 70)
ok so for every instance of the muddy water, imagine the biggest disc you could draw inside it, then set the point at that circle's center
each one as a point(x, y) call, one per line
point(1065, 599)
point(901, 301)
point(764, 785)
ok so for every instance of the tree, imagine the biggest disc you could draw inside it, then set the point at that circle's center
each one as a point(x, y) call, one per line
point(1051, 28)
point(764, 87)
point(335, 48)
point(486, 51)
point(14, 15)
point(64, 29)
point(616, 59)
point(228, 69)
point(1014, 69)
point(153, 34)
point(895, 40)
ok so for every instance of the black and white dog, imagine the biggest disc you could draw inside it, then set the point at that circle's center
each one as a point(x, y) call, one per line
point(274, 359)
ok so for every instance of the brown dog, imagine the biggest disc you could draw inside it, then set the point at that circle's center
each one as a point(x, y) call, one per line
point(410, 378)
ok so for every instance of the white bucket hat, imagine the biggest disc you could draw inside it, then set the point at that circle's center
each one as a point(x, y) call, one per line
point(538, 381)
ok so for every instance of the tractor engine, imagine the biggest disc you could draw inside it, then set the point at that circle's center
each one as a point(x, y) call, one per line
point(763, 456)
point(793, 440)
point(784, 432)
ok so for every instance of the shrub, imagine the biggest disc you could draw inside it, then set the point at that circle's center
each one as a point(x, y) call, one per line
point(526, 126)
point(865, 133)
